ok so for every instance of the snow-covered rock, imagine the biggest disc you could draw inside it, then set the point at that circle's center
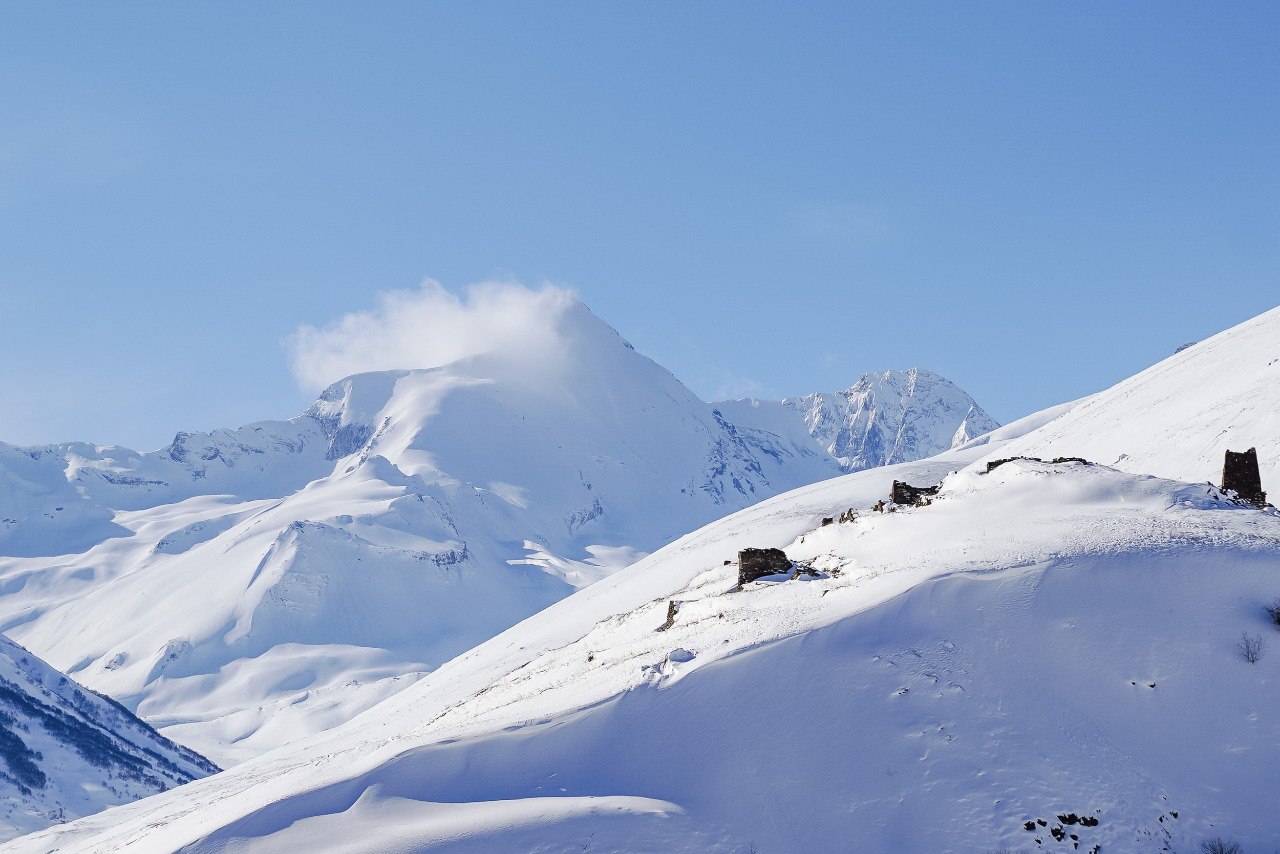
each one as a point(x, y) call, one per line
point(882, 419)
point(66, 752)
point(243, 588)
point(1045, 655)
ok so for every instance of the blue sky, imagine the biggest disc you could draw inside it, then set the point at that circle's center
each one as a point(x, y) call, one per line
point(1033, 199)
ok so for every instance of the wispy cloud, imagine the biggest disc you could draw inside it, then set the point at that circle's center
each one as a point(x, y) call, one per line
point(429, 327)
point(841, 222)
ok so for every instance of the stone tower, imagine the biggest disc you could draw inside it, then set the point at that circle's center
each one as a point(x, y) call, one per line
point(1240, 473)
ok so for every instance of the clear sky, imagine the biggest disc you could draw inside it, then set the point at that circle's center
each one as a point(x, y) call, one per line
point(1033, 199)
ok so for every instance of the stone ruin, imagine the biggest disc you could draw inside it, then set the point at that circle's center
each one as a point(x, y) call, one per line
point(757, 563)
point(995, 464)
point(1240, 475)
point(907, 495)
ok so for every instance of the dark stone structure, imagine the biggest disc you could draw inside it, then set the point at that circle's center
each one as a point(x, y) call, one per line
point(995, 464)
point(908, 495)
point(757, 563)
point(673, 608)
point(1240, 475)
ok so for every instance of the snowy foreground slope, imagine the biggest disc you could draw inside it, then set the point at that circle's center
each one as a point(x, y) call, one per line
point(66, 752)
point(243, 588)
point(882, 419)
point(1044, 642)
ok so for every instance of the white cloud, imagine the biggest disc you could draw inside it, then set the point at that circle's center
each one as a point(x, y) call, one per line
point(429, 327)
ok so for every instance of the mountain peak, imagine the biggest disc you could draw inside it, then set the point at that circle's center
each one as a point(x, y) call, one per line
point(885, 417)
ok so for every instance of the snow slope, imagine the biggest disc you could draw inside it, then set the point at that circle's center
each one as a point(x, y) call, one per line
point(66, 752)
point(884, 418)
point(1042, 640)
point(244, 588)
point(1176, 418)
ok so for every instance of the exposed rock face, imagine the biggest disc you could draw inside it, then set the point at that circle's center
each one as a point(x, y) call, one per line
point(1240, 474)
point(757, 563)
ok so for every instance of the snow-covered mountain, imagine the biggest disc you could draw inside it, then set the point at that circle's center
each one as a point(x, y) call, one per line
point(66, 752)
point(882, 419)
point(1042, 658)
point(243, 588)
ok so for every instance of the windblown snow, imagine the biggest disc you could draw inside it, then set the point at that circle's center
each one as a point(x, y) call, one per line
point(244, 588)
point(1042, 658)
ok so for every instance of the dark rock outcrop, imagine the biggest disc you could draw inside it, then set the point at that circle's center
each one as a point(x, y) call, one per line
point(757, 563)
point(1240, 475)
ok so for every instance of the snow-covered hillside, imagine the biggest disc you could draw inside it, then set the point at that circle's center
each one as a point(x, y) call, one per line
point(882, 419)
point(243, 588)
point(66, 752)
point(1176, 418)
point(1043, 658)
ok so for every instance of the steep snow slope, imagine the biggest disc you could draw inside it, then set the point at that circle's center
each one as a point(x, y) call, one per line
point(884, 418)
point(66, 752)
point(242, 588)
point(1176, 418)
